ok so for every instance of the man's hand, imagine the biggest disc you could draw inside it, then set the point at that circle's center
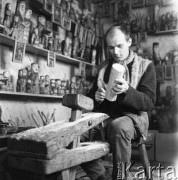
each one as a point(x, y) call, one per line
point(100, 95)
point(121, 86)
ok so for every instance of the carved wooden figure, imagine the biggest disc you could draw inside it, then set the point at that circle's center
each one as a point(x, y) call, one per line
point(8, 19)
point(24, 23)
point(41, 28)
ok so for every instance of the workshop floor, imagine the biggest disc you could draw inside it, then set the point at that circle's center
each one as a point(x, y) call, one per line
point(166, 172)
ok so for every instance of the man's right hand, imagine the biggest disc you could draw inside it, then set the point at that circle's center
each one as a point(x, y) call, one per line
point(100, 95)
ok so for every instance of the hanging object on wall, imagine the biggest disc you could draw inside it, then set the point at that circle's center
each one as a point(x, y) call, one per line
point(168, 72)
point(51, 59)
point(66, 23)
point(122, 11)
point(48, 6)
point(57, 15)
point(159, 73)
point(19, 51)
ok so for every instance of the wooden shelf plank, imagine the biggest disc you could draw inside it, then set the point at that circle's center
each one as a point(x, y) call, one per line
point(10, 93)
point(167, 32)
point(8, 41)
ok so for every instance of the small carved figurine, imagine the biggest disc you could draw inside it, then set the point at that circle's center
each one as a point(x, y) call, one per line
point(8, 20)
point(15, 27)
point(35, 37)
point(41, 28)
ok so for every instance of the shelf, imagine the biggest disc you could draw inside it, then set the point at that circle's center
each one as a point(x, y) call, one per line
point(8, 41)
point(10, 93)
point(174, 31)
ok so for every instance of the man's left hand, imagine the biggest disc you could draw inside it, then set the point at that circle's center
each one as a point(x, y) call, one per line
point(121, 86)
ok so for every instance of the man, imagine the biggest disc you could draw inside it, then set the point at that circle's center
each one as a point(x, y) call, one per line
point(136, 94)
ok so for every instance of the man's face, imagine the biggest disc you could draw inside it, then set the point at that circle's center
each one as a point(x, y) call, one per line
point(118, 45)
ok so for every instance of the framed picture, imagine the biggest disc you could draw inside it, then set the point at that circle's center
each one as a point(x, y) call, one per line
point(134, 38)
point(106, 9)
point(168, 72)
point(48, 6)
point(121, 10)
point(57, 15)
point(138, 3)
point(51, 58)
point(159, 73)
point(168, 2)
point(66, 23)
point(142, 36)
point(150, 2)
point(19, 51)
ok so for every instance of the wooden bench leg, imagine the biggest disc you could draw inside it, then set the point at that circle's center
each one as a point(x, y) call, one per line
point(144, 159)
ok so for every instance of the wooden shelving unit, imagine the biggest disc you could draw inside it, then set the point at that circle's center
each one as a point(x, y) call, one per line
point(11, 93)
point(8, 41)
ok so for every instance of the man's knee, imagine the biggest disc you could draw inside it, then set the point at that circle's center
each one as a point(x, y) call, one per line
point(122, 127)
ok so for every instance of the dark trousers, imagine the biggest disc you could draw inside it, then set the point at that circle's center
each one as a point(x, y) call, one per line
point(119, 133)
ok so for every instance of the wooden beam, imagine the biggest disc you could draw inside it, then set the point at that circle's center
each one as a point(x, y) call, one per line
point(46, 141)
point(69, 158)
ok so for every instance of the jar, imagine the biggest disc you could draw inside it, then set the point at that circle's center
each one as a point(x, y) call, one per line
point(175, 57)
point(58, 83)
point(52, 86)
point(42, 84)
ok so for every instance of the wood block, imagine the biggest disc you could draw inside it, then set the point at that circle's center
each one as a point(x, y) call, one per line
point(47, 141)
point(69, 158)
point(78, 101)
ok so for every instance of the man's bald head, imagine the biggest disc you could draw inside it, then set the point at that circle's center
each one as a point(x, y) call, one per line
point(113, 29)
